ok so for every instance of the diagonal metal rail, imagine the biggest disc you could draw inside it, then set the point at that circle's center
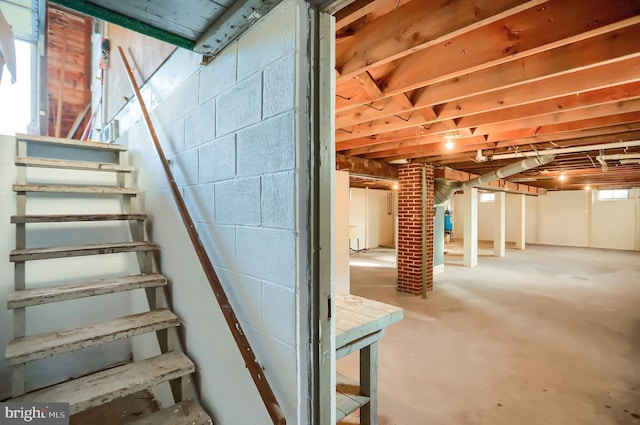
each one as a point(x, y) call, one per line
point(260, 380)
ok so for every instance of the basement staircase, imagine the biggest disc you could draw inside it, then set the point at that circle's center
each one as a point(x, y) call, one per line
point(113, 382)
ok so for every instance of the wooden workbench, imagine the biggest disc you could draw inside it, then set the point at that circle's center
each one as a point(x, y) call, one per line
point(360, 323)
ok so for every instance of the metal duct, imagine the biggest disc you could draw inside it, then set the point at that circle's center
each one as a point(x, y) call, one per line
point(445, 188)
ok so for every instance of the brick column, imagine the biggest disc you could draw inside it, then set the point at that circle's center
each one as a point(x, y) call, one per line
point(410, 228)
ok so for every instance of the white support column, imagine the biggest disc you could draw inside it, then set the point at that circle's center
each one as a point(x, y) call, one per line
point(499, 225)
point(470, 227)
point(519, 214)
point(341, 228)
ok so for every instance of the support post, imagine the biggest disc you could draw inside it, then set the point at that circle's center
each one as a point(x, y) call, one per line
point(470, 258)
point(369, 384)
point(520, 221)
point(499, 224)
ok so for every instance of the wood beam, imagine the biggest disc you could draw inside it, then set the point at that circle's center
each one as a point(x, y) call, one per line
point(416, 26)
point(557, 23)
point(355, 11)
point(366, 167)
point(588, 106)
point(610, 75)
point(439, 156)
point(489, 67)
point(597, 51)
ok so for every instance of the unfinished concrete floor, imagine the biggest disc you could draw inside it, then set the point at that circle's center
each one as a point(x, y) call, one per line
point(545, 336)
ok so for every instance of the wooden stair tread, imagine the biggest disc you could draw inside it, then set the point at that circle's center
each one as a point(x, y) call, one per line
point(102, 387)
point(48, 344)
point(72, 165)
point(83, 144)
point(51, 294)
point(188, 412)
point(65, 218)
point(50, 188)
point(348, 398)
point(79, 250)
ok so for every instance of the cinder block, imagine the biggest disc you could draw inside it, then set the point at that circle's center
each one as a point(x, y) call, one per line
point(172, 138)
point(200, 125)
point(183, 100)
point(245, 296)
point(199, 201)
point(238, 202)
point(239, 106)
point(269, 39)
point(279, 86)
point(220, 243)
point(278, 198)
point(267, 254)
point(267, 147)
point(279, 307)
point(185, 167)
point(217, 160)
point(220, 74)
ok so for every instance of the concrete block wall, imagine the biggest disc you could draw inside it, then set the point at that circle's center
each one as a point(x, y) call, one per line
point(410, 221)
point(230, 131)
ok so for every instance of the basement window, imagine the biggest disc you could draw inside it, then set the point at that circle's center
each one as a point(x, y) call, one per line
point(606, 195)
point(487, 197)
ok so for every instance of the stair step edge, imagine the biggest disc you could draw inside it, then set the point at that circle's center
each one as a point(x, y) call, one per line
point(30, 254)
point(187, 412)
point(58, 293)
point(102, 387)
point(72, 165)
point(49, 344)
point(68, 218)
point(52, 188)
point(82, 144)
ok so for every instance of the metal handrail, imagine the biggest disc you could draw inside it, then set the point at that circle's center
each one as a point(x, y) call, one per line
point(260, 380)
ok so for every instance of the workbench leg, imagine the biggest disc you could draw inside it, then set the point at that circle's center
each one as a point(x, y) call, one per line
point(369, 384)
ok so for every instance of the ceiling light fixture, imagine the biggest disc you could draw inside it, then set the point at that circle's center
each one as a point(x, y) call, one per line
point(449, 144)
point(562, 177)
point(587, 187)
point(395, 186)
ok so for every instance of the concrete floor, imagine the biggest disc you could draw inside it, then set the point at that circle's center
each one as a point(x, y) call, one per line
point(545, 336)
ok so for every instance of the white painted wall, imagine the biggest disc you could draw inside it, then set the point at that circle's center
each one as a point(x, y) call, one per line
point(235, 132)
point(567, 218)
point(613, 222)
point(563, 218)
point(341, 227)
point(368, 211)
point(61, 271)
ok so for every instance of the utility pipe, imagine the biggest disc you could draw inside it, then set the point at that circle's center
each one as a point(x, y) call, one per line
point(445, 188)
point(509, 170)
point(618, 156)
point(575, 149)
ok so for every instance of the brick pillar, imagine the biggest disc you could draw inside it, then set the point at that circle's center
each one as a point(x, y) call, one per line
point(410, 228)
